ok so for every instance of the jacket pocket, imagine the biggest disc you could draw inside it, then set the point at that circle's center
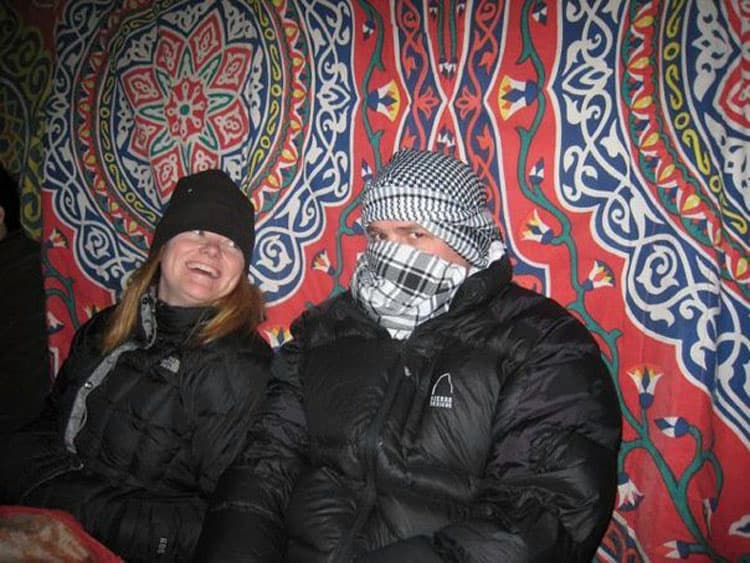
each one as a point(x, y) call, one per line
point(51, 469)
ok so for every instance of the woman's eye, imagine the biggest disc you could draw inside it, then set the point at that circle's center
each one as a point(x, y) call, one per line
point(232, 247)
point(416, 234)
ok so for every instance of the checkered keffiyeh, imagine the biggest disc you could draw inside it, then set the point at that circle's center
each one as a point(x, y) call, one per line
point(438, 192)
point(401, 287)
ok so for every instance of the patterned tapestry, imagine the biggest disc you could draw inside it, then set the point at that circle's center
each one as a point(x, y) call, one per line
point(25, 80)
point(613, 136)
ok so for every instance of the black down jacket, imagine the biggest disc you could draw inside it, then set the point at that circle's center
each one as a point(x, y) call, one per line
point(490, 435)
point(158, 430)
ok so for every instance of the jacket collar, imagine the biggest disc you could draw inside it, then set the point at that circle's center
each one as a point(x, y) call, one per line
point(478, 289)
point(483, 285)
point(175, 323)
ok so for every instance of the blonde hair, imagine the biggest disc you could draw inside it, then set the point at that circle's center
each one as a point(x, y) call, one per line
point(241, 309)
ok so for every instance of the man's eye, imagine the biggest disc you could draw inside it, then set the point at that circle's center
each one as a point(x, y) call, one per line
point(417, 234)
point(375, 235)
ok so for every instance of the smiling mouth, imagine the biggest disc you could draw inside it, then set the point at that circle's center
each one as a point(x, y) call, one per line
point(203, 269)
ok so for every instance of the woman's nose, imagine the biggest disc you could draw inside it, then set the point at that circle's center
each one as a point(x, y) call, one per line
point(211, 247)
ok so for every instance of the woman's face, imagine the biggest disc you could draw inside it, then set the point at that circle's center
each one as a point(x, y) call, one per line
point(198, 268)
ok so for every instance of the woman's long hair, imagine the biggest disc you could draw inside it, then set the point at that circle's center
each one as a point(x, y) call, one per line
point(241, 309)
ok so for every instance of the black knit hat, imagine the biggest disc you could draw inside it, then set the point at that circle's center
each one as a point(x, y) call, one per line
point(208, 201)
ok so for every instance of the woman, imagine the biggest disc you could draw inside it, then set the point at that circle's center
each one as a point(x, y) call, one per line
point(153, 401)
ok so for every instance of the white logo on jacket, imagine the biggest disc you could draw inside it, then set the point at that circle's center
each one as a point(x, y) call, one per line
point(442, 392)
point(171, 363)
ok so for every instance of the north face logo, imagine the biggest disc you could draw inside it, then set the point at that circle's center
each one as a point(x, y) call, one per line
point(170, 363)
point(442, 392)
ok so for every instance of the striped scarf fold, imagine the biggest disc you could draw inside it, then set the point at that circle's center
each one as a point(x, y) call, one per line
point(401, 287)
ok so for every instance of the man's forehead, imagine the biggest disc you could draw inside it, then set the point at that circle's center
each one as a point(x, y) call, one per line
point(394, 226)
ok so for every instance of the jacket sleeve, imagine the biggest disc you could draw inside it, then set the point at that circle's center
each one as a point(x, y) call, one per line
point(35, 452)
point(245, 520)
point(550, 478)
point(223, 395)
point(137, 524)
point(83, 355)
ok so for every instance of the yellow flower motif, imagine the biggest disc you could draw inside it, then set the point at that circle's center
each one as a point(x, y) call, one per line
point(322, 262)
point(57, 239)
point(278, 336)
point(600, 276)
point(536, 229)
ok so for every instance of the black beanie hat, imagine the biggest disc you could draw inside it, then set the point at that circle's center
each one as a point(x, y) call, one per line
point(208, 201)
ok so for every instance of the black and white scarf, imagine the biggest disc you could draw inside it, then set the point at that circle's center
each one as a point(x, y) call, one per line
point(401, 287)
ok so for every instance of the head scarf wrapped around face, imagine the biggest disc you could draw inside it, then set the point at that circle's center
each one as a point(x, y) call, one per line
point(438, 192)
point(399, 286)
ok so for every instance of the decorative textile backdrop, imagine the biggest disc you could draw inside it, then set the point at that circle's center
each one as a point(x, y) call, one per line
point(25, 80)
point(614, 138)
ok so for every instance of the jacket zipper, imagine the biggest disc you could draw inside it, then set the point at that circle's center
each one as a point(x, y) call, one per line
point(73, 465)
point(373, 443)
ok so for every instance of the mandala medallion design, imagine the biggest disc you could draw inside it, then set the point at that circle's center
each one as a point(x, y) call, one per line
point(187, 87)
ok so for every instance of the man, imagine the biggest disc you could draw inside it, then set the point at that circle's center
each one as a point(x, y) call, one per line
point(435, 412)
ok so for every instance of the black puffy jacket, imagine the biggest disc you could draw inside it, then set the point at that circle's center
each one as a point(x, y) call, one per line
point(490, 435)
point(158, 429)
